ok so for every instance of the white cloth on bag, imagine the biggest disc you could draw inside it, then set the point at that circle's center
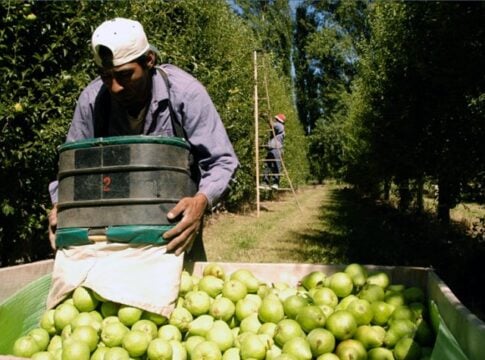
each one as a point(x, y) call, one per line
point(144, 276)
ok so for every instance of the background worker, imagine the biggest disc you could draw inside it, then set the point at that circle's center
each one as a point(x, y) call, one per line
point(273, 166)
point(131, 97)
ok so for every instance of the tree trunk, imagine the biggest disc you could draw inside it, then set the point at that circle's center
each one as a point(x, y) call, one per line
point(444, 201)
point(419, 195)
point(404, 195)
point(387, 189)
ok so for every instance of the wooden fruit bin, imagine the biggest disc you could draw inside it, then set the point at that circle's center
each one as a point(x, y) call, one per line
point(460, 334)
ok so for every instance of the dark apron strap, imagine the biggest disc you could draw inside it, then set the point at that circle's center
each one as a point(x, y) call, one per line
point(176, 125)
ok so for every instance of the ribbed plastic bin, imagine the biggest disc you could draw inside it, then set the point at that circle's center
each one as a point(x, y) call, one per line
point(124, 185)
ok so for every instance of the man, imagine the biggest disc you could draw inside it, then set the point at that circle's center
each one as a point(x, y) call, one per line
point(273, 166)
point(138, 92)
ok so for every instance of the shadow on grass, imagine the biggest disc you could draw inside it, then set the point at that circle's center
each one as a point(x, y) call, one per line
point(367, 232)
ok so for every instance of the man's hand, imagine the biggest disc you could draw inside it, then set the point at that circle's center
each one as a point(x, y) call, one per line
point(190, 210)
point(53, 226)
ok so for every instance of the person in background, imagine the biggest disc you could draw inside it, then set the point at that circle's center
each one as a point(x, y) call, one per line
point(135, 92)
point(273, 165)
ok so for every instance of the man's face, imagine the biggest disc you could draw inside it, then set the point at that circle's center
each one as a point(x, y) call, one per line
point(127, 83)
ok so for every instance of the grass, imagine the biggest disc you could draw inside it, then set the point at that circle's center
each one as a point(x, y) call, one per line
point(335, 226)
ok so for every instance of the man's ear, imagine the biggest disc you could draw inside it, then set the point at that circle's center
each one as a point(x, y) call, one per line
point(151, 59)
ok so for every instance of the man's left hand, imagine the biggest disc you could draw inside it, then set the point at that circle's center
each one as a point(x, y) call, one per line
point(190, 210)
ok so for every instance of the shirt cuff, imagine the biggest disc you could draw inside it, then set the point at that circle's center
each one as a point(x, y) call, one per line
point(53, 186)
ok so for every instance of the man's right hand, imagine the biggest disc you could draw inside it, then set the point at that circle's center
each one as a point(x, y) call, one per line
point(53, 226)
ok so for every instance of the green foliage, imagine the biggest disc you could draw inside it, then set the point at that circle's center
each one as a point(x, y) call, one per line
point(417, 79)
point(46, 60)
point(327, 36)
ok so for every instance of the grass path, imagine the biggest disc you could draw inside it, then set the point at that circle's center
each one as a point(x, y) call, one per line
point(277, 235)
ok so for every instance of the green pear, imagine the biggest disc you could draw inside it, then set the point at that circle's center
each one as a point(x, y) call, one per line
point(266, 339)
point(361, 310)
point(287, 329)
point(345, 302)
point(328, 356)
point(321, 341)
point(379, 278)
point(382, 312)
point(211, 285)
point(380, 353)
point(341, 283)
point(214, 269)
point(369, 336)
point(109, 308)
point(197, 302)
point(273, 352)
point(252, 347)
point(357, 273)
point(313, 279)
point(395, 298)
point(54, 343)
point(268, 329)
point(47, 321)
point(154, 317)
point(186, 283)
point(147, 326)
point(351, 349)
point(206, 350)
point(310, 317)
point(159, 349)
point(263, 290)
point(325, 296)
point(298, 347)
point(403, 327)
point(222, 309)
point(181, 318)
point(292, 304)
point(169, 332)
point(201, 325)
point(231, 354)
point(414, 294)
point(178, 350)
point(247, 278)
point(403, 313)
point(246, 307)
point(419, 309)
point(234, 290)
point(271, 310)
point(191, 342)
point(396, 287)
point(327, 310)
point(371, 293)
point(221, 334)
point(341, 324)
point(250, 323)
point(391, 338)
point(407, 349)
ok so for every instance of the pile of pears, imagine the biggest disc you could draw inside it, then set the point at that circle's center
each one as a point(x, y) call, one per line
point(348, 315)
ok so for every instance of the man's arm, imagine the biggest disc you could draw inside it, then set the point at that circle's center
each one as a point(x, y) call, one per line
point(215, 157)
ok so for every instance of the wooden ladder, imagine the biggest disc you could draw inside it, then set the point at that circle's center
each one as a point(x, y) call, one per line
point(258, 161)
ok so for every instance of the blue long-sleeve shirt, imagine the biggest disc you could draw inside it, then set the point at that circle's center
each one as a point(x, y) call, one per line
point(195, 111)
point(276, 141)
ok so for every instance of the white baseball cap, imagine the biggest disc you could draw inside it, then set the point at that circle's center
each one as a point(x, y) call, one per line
point(124, 37)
